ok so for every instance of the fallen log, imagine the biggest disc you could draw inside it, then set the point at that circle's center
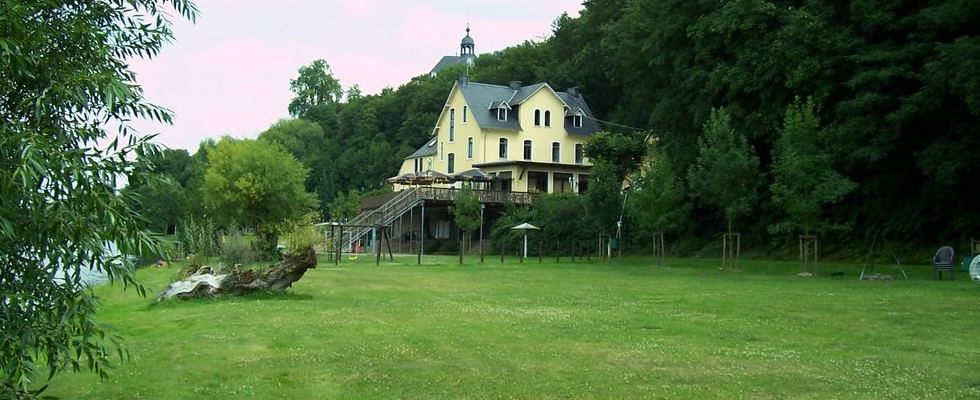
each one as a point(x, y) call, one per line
point(207, 282)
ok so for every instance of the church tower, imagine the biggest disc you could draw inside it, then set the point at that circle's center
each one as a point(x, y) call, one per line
point(467, 54)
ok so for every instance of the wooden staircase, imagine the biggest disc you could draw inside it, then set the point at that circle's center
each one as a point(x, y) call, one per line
point(384, 215)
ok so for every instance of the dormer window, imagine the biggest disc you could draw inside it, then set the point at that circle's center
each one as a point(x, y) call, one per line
point(501, 114)
point(576, 115)
point(501, 108)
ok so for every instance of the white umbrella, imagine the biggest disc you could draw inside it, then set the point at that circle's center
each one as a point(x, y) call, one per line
point(526, 227)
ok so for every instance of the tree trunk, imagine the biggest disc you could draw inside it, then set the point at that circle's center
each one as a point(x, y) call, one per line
point(207, 282)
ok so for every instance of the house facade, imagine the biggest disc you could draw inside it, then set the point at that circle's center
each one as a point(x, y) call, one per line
point(527, 138)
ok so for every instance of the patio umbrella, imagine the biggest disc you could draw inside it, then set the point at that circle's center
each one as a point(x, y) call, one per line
point(527, 228)
point(472, 175)
point(402, 179)
point(436, 177)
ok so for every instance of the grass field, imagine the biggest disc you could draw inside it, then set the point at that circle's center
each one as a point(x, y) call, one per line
point(604, 330)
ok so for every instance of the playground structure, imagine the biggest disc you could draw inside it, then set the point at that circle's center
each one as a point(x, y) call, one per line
point(350, 239)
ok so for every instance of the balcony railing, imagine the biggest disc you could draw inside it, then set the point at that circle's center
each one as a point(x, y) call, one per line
point(449, 195)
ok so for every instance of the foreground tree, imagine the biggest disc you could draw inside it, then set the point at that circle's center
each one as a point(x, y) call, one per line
point(559, 215)
point(725, 175)
point(256, 183)
point(605, 201)
point(466, 213)
point(614, 157)
point(803, 178)
point(659, 202)
point(65, 78)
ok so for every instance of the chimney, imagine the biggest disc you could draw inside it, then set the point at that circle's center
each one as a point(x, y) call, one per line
point(516, 85)
point(463, 80)
point(573, 91)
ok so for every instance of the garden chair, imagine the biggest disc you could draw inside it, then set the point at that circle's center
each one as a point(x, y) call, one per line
point(943, 261)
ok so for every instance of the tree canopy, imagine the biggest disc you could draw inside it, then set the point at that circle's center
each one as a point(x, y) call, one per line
point(314, 87)
point(256, 183)
point(895, 82)
point(725, 175)
point(66, 79)
point(803, 178)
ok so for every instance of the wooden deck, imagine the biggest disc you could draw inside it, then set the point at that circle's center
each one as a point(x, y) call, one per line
point(448, 195)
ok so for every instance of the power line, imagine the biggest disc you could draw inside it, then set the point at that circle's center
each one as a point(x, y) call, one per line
point(617, 125)
point(648, 130)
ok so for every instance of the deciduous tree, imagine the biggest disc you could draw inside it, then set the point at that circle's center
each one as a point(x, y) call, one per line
point(314, 87)
point(466, 213)
point(726, 173)
point(659, 200)
point(256, 183)
point(65, 74)
point(804, 179)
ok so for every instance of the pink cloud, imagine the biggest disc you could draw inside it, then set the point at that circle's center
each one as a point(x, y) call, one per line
point(229, 73)
point(360, 8)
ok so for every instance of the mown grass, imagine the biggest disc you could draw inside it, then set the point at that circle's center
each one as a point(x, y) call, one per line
point(608, 330)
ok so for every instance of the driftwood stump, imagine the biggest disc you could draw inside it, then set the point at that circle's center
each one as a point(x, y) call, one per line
point(207, 282)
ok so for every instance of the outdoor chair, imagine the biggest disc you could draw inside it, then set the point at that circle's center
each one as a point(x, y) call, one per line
point(943, 261)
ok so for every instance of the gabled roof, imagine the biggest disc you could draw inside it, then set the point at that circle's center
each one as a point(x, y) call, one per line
point(526, 92)
point(445, 62)
point(427, 149)
point(484, 100)
point(577, 103)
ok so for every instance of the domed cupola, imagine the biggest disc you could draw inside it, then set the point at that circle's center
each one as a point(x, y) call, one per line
point(466, 46)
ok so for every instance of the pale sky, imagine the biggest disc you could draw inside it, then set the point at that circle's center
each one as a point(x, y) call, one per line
point(229, 73)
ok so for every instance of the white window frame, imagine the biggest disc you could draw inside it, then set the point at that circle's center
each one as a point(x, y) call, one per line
point(501, 114)
point(452, 125)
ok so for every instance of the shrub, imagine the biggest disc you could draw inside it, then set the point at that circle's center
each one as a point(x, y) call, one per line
point(237, 249)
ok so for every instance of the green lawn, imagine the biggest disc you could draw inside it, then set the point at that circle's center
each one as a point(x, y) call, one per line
point(624, 329)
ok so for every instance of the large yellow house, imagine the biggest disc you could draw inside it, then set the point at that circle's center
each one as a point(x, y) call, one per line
point(516, 141)
point(530, 138)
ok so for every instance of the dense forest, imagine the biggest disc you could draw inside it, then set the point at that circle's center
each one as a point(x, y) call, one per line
point(888, 90)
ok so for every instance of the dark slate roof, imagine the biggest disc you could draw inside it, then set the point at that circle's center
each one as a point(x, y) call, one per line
point(427, 149)
point(525, 92)
point(484, 99)
point(449, 60)
point(445, 62)
point(589, 124)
